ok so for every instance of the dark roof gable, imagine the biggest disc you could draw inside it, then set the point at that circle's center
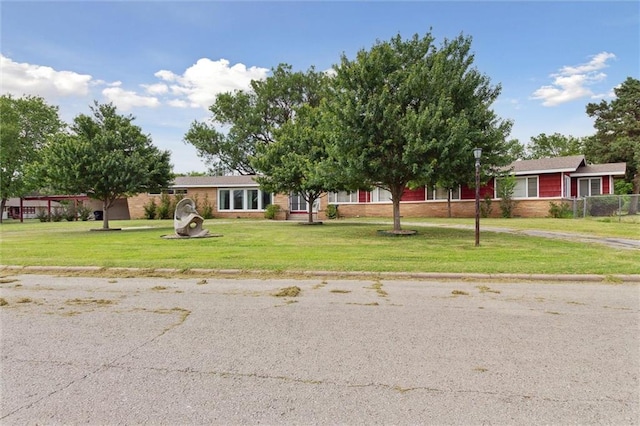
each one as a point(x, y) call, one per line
point(547, 165)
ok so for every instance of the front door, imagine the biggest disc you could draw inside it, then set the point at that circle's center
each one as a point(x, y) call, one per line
point(297, 204)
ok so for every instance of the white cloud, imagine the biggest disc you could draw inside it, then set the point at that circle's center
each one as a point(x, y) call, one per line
point(156, 89)
point(199, 85)
point(126, 100)
point(21, 79)
point(572, 82)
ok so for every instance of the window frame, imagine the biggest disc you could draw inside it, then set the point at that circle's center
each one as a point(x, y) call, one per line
point(527, 184)
point(432, 193)
point(333, 197)
point(590, 186)
point(232, 195)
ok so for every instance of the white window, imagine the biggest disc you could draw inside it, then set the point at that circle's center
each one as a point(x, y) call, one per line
point(438, 193)
point(343, 197)
point(526, 187)
point(297, 203)
point(589, 186)
point(379, 195)
point(243, 199)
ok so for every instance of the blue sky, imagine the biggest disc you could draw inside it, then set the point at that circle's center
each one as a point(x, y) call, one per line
point(165, 61)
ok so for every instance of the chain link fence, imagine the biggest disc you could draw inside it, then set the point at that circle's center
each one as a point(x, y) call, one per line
point(604, 206)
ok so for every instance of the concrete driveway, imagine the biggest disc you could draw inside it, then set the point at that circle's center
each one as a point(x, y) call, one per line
point(227, 351)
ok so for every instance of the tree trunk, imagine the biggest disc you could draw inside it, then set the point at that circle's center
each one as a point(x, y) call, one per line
point(449, 204)
point(396, 214)
point(3, 203)
point(310, 208)
point(105, 214)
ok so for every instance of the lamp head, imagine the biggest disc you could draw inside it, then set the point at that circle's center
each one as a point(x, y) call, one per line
point(477, 153)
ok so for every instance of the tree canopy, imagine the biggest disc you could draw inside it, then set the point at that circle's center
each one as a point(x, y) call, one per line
point(617, 125)
point(297, 161)
point(410, 112)
point(106, 157)
point(555, 145)
point(25, 125)
point(242, 120)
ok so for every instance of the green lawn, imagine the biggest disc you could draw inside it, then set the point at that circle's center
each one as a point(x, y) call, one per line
point(343, 245)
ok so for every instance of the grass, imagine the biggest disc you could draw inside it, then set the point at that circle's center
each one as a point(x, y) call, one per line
point(343, 245)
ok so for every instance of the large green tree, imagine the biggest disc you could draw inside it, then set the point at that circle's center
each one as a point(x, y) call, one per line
point(244, 119)
point(617, 137)
point(555, 145)
point(411, 112)
point(105, 156)
point(25, 124)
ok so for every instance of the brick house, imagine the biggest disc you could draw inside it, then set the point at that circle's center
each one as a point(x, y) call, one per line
point(538, 183)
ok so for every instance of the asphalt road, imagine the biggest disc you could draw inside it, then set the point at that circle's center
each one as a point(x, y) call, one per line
point(227, 351)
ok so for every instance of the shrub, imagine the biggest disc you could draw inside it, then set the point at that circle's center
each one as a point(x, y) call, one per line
point(57, 214)
point(42, 215)
point(69, 212)
point(84, 212)
point(560, 211)
point(485, 207)
point(206, 211)
point(332, 211)
point(150, 209)
point(164, 209)
point(271, 211)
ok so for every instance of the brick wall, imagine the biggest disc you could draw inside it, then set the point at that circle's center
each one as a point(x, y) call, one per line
point(464, 208)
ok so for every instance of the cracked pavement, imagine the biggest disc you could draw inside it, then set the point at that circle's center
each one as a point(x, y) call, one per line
point(226, 351)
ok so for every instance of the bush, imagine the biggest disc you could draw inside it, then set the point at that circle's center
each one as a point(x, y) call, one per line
point(57, 214)
point(206, 210)
point(485, 207)
point(164, 209)
point(69, 212)
point(271, 211)
point(84, 212)
point(332, 211)
point(560, 211)
point(42, 215)
point(150, 209)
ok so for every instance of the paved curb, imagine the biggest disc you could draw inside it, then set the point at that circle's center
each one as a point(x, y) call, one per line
point(92, 270)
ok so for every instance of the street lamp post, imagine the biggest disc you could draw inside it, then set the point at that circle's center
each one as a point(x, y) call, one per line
point(477, 153)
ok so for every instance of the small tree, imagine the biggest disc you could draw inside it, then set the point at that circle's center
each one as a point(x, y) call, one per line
point(106, 157)
point(506, 186)
point(297, 161)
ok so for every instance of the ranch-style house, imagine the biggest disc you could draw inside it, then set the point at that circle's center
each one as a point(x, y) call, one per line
point(538, 183)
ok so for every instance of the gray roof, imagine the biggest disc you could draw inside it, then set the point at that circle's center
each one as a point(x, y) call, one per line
point(548, 165)
point(213, 181)
point(615, 169)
